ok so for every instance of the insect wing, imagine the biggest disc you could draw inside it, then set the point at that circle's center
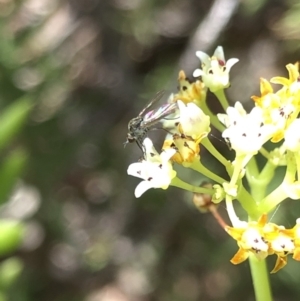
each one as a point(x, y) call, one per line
point(156, 98)
point(154, 116)
point(139, 126)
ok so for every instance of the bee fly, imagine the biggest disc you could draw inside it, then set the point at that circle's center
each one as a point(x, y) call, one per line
point(140, 125)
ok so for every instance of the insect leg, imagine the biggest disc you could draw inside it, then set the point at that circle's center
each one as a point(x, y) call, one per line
point(141, 146)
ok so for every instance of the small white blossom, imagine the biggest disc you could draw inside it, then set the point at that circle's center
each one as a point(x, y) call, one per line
point(253, 240)
point(283, 244)
point(193, 121)
point(246, 132)
point(292, 136)
point(215, 70)
point(156, 169)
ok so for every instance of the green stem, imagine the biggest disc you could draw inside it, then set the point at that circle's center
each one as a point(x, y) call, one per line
point(260, 278)
point(258, 184)
point(279, 194)
point(246, 200)
point(265, 153)
point(222, 98)
point(252, 169)
point(210, 147)
point(273, 199)
point(198, 166)
point(183, 185)
point(238, 166)
point(213, 118)
point(267, 173)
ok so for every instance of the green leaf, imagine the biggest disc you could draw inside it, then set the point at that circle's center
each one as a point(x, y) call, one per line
point(11, 233)
point(12, 119)
point(10, 270)
point(3, 296)
point(10, 170)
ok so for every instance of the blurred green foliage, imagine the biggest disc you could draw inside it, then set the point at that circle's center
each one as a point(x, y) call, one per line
point(10, 270)
point(11, 235)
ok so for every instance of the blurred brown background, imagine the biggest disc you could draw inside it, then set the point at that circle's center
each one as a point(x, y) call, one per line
point(89, 66)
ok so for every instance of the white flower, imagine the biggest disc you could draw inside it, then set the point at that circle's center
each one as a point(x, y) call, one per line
point(246, 132)
point(215, 70)
point(193, 121)
point(283, 244)
point(292, 136)
point(253, 240)
point(156, 169)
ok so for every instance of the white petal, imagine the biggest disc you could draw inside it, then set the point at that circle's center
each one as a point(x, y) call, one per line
point(151, 153)
point(230, 63)
point(193, 121)
point(135, 169)
point(233, 114)
point(219, 53)
point(181, 105)
point(240, 109)
point(167, 154)
point(141, 188)
point(292, 136)
point(204, 58)
point(224, 119)
point(256, 115)
point(198, 72)
point(148, 143)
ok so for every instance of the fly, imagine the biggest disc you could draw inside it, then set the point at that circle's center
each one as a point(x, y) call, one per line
point(140, 125)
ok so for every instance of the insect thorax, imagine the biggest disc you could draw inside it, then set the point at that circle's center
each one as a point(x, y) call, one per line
point(135, 123)
point(135, 129)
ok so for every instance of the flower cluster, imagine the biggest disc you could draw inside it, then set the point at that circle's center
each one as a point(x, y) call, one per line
point(274, 119)
point(280, 109)
point(261, 239)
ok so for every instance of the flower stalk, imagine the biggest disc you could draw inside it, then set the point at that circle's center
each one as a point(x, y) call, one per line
point(176, 182)
point(260, 278)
